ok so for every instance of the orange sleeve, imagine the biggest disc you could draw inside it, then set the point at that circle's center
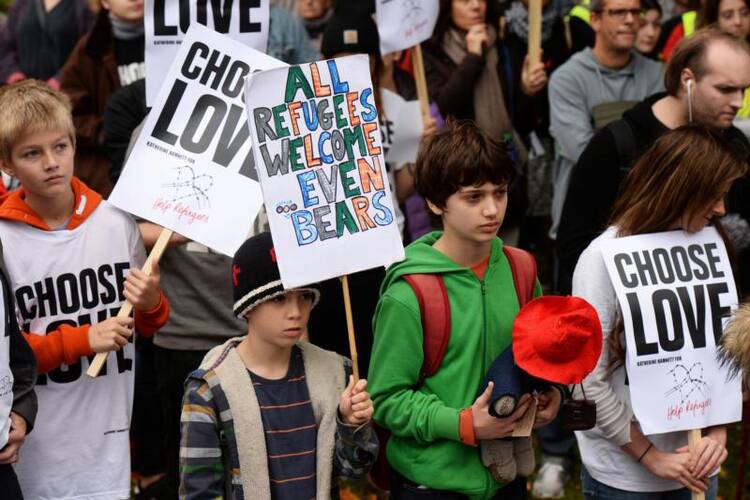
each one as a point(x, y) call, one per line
point(66, 345)
point(466, 427)
point(147, 323)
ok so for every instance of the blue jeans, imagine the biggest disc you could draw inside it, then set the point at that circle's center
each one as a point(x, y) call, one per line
point(594, 490)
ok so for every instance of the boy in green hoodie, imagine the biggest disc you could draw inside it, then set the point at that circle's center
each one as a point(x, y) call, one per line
point(437, 420)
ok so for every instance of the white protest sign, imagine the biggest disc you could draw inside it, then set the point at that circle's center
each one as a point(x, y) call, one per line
point(405, 23)
point(316, 141)
point(191, 169)
point(167, 21)
point(401, 128)
point(676, 292)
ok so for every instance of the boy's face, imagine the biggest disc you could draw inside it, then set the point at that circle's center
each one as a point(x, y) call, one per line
point(474, 213)
point(42, 162)
point(282, 320)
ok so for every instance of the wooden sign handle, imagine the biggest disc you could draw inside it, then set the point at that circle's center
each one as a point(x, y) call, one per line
point(350, 327)
point(421, 81)
point(127, 307)
point(694, 437)
point(535, 32)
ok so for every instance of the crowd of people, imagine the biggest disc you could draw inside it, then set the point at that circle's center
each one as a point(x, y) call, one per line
point(226, 385)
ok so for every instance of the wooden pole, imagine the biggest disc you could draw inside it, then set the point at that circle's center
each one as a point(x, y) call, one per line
point(127, 307)
point(535, 32)
point(350, 327)
point(421, 81)
point(694, 437)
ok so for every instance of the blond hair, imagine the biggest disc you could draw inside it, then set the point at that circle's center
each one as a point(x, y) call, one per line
point(31, 106)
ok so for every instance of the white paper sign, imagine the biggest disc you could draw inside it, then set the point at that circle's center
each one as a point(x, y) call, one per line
point(401, 128)
point(405, 23)
point(316, 141)
point(191, 169)
point(167, 21)
point(676, 293)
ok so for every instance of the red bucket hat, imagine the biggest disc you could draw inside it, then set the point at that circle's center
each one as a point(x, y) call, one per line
point(557, 339)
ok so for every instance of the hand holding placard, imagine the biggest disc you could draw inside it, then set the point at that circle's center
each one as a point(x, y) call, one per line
point(127, 307)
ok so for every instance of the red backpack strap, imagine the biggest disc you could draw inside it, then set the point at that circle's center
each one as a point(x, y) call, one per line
point(436, 318)
point(523, 269)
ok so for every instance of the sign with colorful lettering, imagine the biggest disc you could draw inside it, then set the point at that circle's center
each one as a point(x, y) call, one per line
point(676, 293)
point(167, 22)
point(405, 23)
point(317, 147)
point(191, 169)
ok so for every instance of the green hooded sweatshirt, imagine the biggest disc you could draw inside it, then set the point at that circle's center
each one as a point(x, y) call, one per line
point(424, 418)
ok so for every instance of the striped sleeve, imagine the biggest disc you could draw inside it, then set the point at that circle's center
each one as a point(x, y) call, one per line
point(356, 446)
point(201, 467)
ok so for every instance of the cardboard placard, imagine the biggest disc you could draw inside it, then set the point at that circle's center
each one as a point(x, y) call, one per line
point(316, 141)
point(405, 23)
point(401, 128)
point(191, 169)
point(676, 292)
point(167, 22)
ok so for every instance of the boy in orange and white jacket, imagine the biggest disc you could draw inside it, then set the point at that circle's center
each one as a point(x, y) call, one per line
point(72, 260)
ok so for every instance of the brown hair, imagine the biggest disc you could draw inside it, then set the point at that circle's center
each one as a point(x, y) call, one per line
point(683, 172)
point(690, 53)
point(31, 106)
point(709, 13)
point(460, 155)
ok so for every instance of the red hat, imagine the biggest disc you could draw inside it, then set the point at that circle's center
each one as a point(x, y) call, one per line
point(557, 339)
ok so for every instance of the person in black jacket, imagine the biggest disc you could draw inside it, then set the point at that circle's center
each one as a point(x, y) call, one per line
point(18, 404)
point(704, 80)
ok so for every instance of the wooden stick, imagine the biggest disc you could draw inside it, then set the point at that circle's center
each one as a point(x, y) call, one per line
point(350, 327)
point(535, 32)
point(421, 81)
point(694, 437)
point(127, 307)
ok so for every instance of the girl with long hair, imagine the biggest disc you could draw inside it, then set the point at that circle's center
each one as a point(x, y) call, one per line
point(679, 184)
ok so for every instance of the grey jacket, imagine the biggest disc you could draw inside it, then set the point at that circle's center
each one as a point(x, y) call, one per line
point(574, 90)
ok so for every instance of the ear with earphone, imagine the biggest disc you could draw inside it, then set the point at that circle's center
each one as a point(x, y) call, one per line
point(689, 85)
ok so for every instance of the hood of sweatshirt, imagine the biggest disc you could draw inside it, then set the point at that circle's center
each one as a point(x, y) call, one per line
point(14, 207)
point(641, 117)
point(423, 258)
point(639, 78)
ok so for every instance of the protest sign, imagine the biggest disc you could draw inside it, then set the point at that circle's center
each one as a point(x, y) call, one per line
point(400, 128)
point(167, 22)
point(676, 292)
point(191, 169)
point(405, 23)
point(316, 141)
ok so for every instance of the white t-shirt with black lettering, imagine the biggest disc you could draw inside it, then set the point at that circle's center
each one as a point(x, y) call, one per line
point(79, 447)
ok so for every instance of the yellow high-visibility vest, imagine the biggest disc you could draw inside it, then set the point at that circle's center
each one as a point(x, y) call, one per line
point(580, 11)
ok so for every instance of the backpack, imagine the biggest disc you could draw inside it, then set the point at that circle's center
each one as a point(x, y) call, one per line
point(434, 307)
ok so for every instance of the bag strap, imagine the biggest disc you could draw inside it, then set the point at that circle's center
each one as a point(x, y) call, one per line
point(523, 269)
point(435, 309)
point(436, 318)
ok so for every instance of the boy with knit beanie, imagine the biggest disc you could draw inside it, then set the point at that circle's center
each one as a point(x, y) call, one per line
point(267, 415)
